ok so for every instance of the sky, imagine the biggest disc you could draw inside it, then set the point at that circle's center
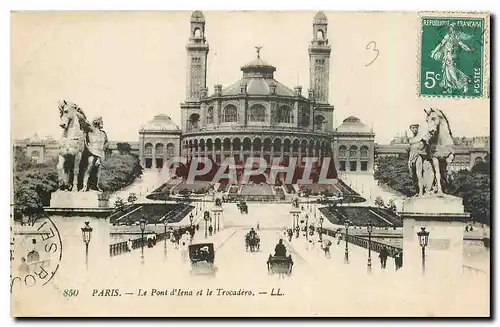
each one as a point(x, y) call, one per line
point(129, 66)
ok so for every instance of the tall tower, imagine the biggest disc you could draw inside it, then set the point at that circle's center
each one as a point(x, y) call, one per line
point(197, 51)
point(319, 59)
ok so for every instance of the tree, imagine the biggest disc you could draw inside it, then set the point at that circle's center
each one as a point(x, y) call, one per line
point(132, 198)
point(119, 204)
point(33, 183)
point(119, 171)
point(123, 147)
point(379, 202)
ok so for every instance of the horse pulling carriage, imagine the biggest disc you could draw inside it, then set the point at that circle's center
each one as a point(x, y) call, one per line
point(252, 242)
point(281, 265)
point(202, 259)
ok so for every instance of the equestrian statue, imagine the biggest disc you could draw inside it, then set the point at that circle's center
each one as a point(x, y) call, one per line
point(81, 149)
point(431, 154)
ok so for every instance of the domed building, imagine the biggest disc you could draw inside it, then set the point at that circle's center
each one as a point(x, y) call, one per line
point(257, 115)
point(159, 140)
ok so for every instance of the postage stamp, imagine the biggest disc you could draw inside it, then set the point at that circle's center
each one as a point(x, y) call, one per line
point(452, 52)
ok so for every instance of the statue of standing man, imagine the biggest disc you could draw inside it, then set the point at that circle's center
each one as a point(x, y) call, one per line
point(419, 151)
point(96, 144)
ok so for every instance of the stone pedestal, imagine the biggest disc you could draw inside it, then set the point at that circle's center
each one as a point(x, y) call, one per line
point(443, 217)
point(79, 200)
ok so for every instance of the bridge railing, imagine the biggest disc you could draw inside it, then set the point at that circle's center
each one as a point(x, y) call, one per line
point(122, 247)
point(363, 242)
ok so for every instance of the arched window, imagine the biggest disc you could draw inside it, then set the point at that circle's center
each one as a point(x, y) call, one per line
point(319, 123)
point(210, 115)
point(35, 156)
point(170, 150)
point(478, 160)
point(305, 116)
point(230, 114)
point(285, 115)
point(257, 113)
point(363, 151)
point(197, 33)
point(193, 123)
point(148, 150)
point(159, 150)
point(342, 151)
point(353, 151)
point(320, 35)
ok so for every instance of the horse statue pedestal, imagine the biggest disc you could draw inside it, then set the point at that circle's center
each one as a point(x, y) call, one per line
point(77, 200)
point(443, 217)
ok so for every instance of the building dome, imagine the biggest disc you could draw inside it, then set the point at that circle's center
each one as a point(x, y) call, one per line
point(161, 122)
point(197, 16)
point(35, 139)
point(320, 18)
point(353, 124)
point(258, 78)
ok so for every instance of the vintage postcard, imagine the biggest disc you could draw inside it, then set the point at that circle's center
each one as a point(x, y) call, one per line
point(250, 164)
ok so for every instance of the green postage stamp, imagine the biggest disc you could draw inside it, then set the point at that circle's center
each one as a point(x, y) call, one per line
point(452, 56)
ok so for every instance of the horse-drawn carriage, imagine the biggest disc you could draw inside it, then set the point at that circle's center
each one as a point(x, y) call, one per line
point(281, 265)
point(202, 259)
point(242, 205)
point(252, 242)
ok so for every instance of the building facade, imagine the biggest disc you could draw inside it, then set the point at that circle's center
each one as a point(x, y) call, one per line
point(257, 115)
point(354, 145)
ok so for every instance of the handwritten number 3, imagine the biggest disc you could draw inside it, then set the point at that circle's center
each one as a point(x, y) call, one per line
point(374, 48)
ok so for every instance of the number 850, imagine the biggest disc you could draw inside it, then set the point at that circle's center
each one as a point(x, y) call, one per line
point(430, 79)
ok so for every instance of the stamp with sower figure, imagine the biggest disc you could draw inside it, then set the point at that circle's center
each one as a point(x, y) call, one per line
point(452, 52)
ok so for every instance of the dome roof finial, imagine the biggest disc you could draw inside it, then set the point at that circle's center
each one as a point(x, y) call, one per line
point(258, 48)
point(197, 16)
point(320, 18)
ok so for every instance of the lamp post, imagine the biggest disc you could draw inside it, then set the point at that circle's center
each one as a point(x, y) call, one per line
point(206, 217)
point(321, 228)
point(369, 228)
point(215, 222)
point(346, 257)
point(142, 225)
point(423, 237)
point(86, 235)
point(307, 226)
point(218, 221)
point(165, 223)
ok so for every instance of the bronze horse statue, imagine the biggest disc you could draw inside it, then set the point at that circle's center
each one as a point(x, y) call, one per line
point(441, 147)
point(71, 145)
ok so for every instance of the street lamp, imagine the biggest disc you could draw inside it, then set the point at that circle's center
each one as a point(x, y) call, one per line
point(215, 222)
point(142, 225)
point(206, 217)
point(346, 257)
point(307, 226)
point(423, 237)
point(218, 221)
point(321, 228)
point(165, 223)
point(369, 228)
point(86, 235)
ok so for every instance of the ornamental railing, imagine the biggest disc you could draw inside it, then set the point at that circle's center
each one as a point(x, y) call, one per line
point(363, 242)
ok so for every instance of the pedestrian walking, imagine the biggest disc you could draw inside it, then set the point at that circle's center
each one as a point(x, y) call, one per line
point(384, 253)
point(129, 245)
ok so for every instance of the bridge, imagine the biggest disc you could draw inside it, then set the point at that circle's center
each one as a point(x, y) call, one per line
point(341, 284)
